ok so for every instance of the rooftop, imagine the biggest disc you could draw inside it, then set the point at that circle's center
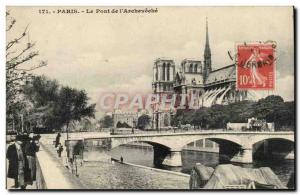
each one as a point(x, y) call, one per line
point(224, 73)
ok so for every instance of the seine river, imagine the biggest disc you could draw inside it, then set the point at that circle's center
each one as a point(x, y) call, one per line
point(99, 175)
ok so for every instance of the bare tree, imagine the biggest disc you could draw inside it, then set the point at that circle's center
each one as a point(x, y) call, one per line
point(19, 64)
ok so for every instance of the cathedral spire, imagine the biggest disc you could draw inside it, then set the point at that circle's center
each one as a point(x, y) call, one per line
point(207, 55)
point(207, 48)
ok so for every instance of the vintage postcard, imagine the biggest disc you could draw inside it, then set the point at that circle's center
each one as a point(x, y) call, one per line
point(150, 98)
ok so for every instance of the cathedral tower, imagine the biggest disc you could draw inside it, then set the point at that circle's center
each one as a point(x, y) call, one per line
point(163, 80)
point(163, 76)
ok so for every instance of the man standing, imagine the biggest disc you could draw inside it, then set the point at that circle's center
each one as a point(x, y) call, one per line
point(57, 139)
point(16, 165)
point(31, 148)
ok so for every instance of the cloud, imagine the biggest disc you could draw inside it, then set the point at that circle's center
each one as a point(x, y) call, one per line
point(140, 85)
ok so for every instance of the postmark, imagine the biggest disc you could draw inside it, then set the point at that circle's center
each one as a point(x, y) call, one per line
point(256, 66)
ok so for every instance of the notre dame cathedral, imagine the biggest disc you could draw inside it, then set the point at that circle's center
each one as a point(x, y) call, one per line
point(212, 86)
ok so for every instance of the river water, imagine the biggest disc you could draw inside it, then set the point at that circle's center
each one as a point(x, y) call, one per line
point(99, 175)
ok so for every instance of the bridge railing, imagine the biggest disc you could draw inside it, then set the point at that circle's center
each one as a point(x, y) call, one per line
point(162, 131)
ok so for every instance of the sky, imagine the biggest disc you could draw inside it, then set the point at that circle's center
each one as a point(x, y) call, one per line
point(115, 52)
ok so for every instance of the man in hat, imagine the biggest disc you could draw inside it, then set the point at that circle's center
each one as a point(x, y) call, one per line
point(16, 159)
point(31, 147)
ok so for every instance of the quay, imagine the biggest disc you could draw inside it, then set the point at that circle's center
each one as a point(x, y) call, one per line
point(52, 173)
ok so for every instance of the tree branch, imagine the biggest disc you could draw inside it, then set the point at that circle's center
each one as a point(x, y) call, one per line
point(11, 43)
point(12, 65)
point(42, 63)
point(29, 46)
point(10, 26)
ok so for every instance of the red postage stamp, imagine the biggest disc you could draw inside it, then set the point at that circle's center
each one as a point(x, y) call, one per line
point(256, 66)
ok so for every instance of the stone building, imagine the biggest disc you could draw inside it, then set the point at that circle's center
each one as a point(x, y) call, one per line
point(127, 117)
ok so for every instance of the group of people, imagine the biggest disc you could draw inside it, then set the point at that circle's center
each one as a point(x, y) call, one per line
point(21, 154)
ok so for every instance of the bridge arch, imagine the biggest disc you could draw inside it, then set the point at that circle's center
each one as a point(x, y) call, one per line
point(260, 139)
point(150, 140)
point(152, 143)
point(227, 147)
point(215, 138)
point(160, 151)
point(273, 148)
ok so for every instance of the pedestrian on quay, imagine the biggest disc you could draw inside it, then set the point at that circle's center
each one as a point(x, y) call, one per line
point(59, 149)
point(64, 158)
point(57, 139)
point(121, 159)
point(31, 148)
point(26, 140)
point(16, 162)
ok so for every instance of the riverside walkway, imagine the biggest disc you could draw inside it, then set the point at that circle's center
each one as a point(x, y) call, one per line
point(53, 175)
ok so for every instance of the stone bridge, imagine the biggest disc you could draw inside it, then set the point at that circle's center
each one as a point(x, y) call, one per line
point(238, 146)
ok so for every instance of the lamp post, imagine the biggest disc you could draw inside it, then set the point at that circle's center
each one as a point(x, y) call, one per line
point(133, 125)
point(156, 120)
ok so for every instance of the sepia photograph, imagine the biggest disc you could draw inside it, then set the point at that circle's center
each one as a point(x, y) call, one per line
point(162, 98)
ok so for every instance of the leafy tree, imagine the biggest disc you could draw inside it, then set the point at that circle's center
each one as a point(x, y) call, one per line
point(107, 121)
point(43, 94)
point(283, 116)
point(182, 116)
point(267, 106)
point(56, 106)
point(143, 121)
point(239, 112)
point(73, 106)
point(219, 116)
point(274, 109)
point(201, 118)
point(177, 118)
point(271, 109)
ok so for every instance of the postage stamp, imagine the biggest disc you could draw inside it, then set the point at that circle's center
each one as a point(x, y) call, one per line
point(256, 66)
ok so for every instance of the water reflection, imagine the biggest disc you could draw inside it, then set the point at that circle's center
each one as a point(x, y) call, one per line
point(144, 156)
